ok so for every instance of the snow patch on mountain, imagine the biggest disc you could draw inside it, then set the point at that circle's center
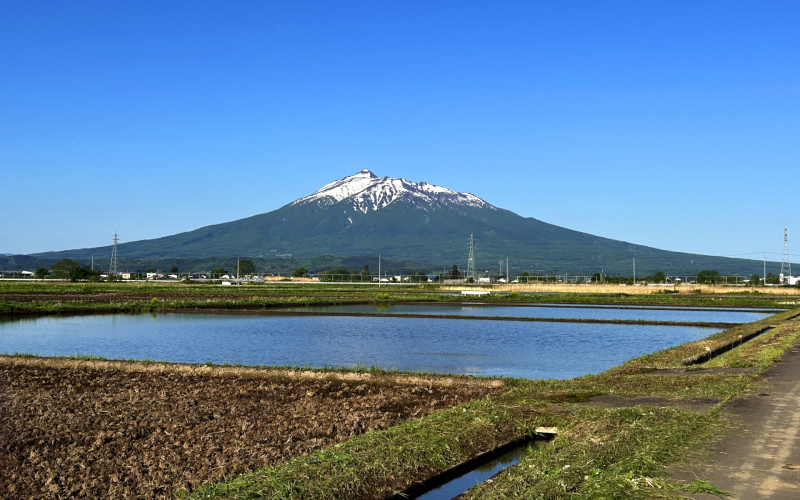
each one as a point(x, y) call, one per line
point(370, 192)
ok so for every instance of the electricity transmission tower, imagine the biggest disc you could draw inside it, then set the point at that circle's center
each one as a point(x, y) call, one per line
point(112, 270)
point(786, 266)
point(471, 261)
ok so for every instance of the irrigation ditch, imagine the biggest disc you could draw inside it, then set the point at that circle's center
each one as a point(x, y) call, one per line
point(462, 476)
point(712, 353)
point(727, 346)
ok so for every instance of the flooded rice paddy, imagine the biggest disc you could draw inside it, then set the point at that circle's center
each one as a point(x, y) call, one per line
point(487, 348)
point(555, 311)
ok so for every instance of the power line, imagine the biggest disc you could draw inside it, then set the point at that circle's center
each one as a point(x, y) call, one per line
point(758, 253)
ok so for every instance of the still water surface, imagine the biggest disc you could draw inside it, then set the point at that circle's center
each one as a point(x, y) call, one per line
point(713, 316)
point(464, 482)
point(517, 349)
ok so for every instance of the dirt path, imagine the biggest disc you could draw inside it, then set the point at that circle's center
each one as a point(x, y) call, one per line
point(757, 460)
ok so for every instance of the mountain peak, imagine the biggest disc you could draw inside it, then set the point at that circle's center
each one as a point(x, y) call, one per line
point(370, 192)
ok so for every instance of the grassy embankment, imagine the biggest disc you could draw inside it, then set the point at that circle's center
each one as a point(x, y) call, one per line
point(598, 453)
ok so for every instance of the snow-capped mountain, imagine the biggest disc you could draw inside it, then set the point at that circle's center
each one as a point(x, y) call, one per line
point(370, 192)
point(367, 215)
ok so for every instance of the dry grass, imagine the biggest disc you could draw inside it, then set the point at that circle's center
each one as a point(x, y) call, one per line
point(632, 290)
point(249, 372)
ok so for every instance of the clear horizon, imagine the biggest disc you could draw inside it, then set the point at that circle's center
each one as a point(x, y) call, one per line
point(672, 126)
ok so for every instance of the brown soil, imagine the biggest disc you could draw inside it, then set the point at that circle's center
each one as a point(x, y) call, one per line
point(71, 428)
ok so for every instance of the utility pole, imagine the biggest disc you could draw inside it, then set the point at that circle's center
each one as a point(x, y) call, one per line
point(508, 276)
point(237, 268)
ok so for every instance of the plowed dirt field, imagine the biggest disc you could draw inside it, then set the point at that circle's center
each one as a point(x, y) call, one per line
point(71, 428)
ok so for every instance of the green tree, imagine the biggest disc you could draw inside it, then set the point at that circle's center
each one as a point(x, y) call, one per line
point(66, 269)
point(659, 277)
point(300, 272)
point(417, 277)
point(455, 273)
point(40, 273)
point(246, 267)
point(174, 269)
point(336, 274)
point(755, 280)
point(218, 271)
point(708, 276)
point(772, 279)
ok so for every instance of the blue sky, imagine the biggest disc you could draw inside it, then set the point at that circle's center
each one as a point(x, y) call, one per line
point(670, 124)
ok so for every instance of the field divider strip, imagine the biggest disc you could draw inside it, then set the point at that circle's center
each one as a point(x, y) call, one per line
point(727, 346)
point(576, 306)
point(722, 349)
point(701, 324)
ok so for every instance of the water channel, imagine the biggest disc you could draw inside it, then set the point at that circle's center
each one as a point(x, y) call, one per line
point(517, 349)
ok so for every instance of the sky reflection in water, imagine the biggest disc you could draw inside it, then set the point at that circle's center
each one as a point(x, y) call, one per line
point(517, 349)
